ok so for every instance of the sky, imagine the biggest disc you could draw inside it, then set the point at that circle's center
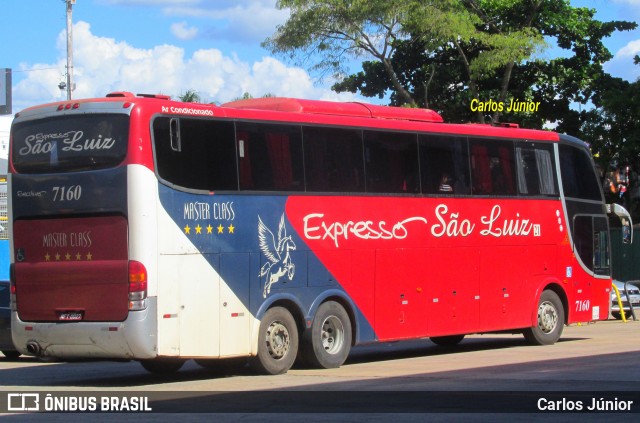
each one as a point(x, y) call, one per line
point(171, 46)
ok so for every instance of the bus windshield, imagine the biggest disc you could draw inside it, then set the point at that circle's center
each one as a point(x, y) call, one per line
point(70, 143)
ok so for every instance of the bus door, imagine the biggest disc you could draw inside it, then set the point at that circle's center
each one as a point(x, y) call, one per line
point(591, 241)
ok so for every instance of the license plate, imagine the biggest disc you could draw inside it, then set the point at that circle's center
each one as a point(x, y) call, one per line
point(70, 316)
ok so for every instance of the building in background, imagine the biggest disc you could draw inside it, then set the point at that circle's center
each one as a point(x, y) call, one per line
point(5, 126)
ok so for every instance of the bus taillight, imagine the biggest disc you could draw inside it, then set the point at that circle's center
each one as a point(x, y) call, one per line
point(12, 287)
point(137, 286)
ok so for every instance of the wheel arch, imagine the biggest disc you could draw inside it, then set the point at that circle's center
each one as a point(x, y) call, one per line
point(287, 301)
point(555, 286)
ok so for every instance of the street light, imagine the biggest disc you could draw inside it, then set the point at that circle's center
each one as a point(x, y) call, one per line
point(69, 84)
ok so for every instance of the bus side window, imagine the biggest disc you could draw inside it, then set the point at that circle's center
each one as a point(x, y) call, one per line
point(269, 157)
point(591, 238)
point(492, 164)
point(391, 162)
point(535, 168)
point(578, 177)
point(333, 160)
point(205, 160)
point(444, 165)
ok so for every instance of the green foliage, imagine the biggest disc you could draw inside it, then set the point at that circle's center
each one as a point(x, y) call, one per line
point(442, 75)
point(190, 96)
point(613, 127)
point(442, 54)
point(324, 35)
point(247, 96)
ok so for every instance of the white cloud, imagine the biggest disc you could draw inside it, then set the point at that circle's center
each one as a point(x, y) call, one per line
point(184, 32)
point(238, 21)
point(630, 50)
point(622, 64)
point(103, 65)
point(231, 20)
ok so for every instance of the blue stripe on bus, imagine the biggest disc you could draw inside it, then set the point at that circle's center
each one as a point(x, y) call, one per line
point(226, 230)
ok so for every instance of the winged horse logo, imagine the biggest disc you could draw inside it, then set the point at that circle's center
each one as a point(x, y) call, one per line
point(279, 261)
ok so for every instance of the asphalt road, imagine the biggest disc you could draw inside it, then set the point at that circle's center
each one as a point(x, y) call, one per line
point(485, 378)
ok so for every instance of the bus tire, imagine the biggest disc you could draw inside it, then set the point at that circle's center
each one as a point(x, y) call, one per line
point(162, 366)
point(447, 341)
point(222, 365)
point(277, 342)
point(618, 316)
point(11, 354)
point(328, 342)
point(550, 320)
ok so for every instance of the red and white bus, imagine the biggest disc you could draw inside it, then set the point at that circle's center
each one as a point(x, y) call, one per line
point(274, 229)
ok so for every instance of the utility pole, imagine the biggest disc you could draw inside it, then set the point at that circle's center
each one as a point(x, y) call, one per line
point(70, 4)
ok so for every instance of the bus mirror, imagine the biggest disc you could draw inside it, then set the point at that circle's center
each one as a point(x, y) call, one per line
point(625, 219)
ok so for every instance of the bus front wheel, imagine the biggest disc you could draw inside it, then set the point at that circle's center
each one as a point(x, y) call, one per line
point(277, 342)
point(328, 342)
point(550, 321)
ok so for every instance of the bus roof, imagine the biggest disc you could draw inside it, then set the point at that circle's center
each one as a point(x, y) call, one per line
point(356, 109)
point(300, 111)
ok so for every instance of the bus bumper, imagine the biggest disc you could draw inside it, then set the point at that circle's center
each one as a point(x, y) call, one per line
point(135, 338)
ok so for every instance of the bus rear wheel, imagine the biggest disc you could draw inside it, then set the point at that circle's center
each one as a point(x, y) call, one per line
point(277, 342)
point(328, 342)
point(550, 321)
point(11, 354)
point(162, 366)
point(222, 365)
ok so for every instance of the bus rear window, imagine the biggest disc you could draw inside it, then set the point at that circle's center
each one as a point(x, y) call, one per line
point(70, 143)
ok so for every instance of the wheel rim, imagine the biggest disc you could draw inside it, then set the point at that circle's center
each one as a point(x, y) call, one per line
point(547, 317)
point(278, 340)
point(332, 335)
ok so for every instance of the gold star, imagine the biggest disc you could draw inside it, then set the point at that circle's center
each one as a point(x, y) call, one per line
point(78, 256)
point(231, 228)
point(67, 256)
point(47, 257)
point(220, 229)
point(89, 256)
point(187, 229)
point(198, 229)
point(57, 257)
point(209, 229)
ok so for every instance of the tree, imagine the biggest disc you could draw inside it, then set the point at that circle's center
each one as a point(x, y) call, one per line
point(247, 96)
point(613, 126)
point(331, 31)
point(439, 78)
point(190, 96)
point(486, 43)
